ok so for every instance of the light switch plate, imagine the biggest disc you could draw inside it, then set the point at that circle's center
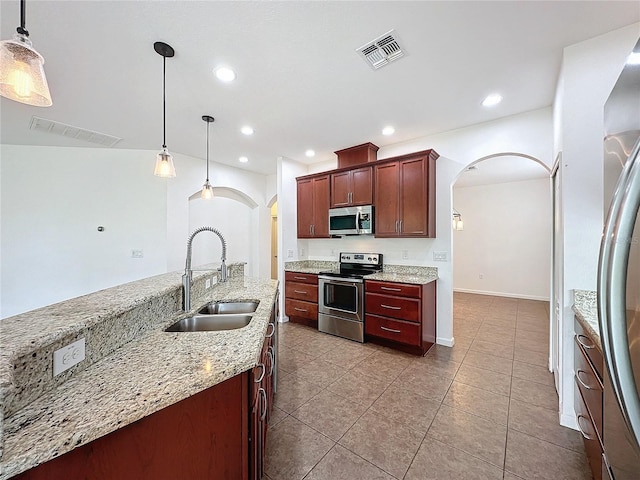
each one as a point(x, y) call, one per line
point(66, 357)
point(440, 256)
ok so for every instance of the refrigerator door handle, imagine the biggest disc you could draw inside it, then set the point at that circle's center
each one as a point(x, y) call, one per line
point(612, 276)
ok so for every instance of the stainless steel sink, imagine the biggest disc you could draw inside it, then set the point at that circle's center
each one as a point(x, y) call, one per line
point(210, 323)
point(218, 308)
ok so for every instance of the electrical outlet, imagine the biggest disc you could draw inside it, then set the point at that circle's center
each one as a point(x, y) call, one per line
point(66, 357)
point(302, 252)
point(137, 253)
point(405, 254)
point(333, 252)
point(207, 283)
point(289, 253)
point(440, 256)
point(481, 276)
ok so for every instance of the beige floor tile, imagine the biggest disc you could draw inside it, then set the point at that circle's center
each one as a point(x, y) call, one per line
point(462, 342)
point(359, 388)
point(511, 476)
point(454, 354)
point(474, 435)
point(330, 414)
point(291, 359)
point(482, 403)
point(294, 392)
point(340, 463)
point(488, 362)
point(277, 415)
point(507, 322)
point(382, 366)
point(320, 344)
point(438, 461)
point(531, 357)
point(485, 379)
point(293, 450)
point(320, 372)
point(442, 368)
point(401, 406)
point(543, 423)
point(348, 356)
point(534, 393)
point(531, 458)
point(386, 444)
point(533, 373)
point(505, 339)
point(498, 330)
point(421, 380)
point(539, 347)
point(495, 349)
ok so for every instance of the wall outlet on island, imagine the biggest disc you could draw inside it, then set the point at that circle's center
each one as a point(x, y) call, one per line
point(207, 283)
point(66, 357)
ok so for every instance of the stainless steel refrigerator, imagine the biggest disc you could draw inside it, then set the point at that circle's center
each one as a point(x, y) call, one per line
point(619, 277)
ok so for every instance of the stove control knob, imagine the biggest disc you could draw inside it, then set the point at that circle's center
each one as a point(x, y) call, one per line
point(369, 258)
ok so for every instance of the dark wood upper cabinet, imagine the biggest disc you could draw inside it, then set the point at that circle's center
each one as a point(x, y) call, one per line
point(405, 196)
point(313, 206)
point(352, 156)
point(352, 187)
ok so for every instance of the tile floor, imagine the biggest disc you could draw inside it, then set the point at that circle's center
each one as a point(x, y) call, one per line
point(484, 409)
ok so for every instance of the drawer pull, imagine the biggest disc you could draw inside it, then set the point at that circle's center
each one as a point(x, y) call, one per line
point(300, 278)
point(589, 345)
point(389, 307)
point(588, 437)
point(300, 309)
point(391, 289)
point(263, 396)
point(259, 380)
point(273, 330)
point(583, 383)
point(390, 329)
point(299, 291)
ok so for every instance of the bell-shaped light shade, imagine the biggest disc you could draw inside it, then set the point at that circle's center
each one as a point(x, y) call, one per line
point(207, 191)
point(22, 73)
point(460, 225)
point(164, 164)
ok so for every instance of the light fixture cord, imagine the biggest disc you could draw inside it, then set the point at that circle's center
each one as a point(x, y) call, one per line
point(207, 151)
point(23, 14)
point(164, 102)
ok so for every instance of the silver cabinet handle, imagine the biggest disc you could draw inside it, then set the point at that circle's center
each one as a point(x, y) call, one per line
point(273, 330)
point(584, 434)
point(390, 307)
point(391, 289)
point(261, 365)
point(390, 329)
point(272, 356)
point(613, 264)
point(299, 291)
point(263, 396)
point(300, 278)
point(589, 345)
point(400, 231)
point(583, 383)
point(396, 226)
point(300, 309)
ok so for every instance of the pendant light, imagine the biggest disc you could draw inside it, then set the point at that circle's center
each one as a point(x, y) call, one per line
point(22, 68)
point(164, 160)
point(207, 189)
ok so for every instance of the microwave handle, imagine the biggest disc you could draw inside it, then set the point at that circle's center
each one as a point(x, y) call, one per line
point(358, 222)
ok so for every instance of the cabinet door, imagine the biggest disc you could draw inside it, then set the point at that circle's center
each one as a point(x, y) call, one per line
point(321, 207)
point(340, 189)
point(362, 186)
point(386, 193)
point(413, 198)
point(305, 207)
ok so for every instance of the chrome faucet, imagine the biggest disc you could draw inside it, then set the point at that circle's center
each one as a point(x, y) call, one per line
point(188, 272)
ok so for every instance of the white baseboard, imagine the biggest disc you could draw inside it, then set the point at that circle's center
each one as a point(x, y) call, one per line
point(568, 421)
point(447, 342)
point(502, 294)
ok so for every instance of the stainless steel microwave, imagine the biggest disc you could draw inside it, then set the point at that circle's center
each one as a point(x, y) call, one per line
point(351, 221)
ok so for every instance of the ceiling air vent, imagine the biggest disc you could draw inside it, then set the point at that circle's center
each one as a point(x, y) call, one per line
point(69, 131)
point(382, 50)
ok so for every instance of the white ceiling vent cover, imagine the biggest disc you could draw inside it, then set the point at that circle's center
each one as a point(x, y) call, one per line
point(58, 128)
point(382, 51)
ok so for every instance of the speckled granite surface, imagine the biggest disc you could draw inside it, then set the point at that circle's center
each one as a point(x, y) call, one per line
point(152, 370)
point(586, 310)
point(391, 273)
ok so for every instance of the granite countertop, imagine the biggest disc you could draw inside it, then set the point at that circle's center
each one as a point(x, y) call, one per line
point(153, 371)
point(310, 266)
point(586, 310)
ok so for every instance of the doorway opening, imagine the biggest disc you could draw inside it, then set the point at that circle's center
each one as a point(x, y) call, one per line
point(274, 241)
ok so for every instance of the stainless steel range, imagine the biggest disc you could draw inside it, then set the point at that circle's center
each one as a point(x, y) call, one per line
point(341, 295)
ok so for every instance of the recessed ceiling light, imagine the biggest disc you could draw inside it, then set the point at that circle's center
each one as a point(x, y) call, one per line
point(492, 100)
point(247, 130)
point(310, 153)
point(243, 159)
point(225, 74)
point(388, 130)
point(633, 58)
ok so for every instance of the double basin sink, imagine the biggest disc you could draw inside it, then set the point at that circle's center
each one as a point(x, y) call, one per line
point(216, 316)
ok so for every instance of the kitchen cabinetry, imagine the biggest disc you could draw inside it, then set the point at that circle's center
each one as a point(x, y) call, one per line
point(405, 196)
point(352, 187)
point(348, 157)
point(400, 315)
point(301, 298)
point(313, 206)
point(588, 364)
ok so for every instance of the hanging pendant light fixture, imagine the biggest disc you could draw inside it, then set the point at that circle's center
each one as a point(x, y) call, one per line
point(22, 68)
point(207, 189)
point(164, 160)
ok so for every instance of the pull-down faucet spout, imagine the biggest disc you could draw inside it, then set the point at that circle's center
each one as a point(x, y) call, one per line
point(188, 272)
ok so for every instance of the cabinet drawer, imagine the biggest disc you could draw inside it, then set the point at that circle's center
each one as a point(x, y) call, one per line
point(301, 277)
point(301, 291)
point(390, 288)
point(396, 330)
point(592, 445)
point(397, 307)
point(298, 308)
point(589, 385)
point(590, 348)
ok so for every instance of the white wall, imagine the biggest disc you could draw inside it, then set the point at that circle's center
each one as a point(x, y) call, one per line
point(53, 200)
point(507, 227)
point(589, 72)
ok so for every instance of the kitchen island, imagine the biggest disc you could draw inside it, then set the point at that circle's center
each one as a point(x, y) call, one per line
point(133, 368)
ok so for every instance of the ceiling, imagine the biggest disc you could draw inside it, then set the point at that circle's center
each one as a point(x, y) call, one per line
point(300, 82)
